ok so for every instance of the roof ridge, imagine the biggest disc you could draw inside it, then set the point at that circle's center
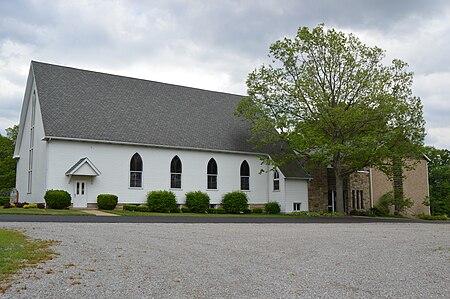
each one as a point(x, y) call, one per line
point(133, 78)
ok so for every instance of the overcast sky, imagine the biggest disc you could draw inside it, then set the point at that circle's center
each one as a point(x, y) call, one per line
point(215, 44)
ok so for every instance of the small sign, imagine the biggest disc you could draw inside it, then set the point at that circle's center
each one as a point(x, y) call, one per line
point(14, 195)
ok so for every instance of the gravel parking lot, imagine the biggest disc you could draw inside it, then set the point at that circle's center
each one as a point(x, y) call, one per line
point(123, 260)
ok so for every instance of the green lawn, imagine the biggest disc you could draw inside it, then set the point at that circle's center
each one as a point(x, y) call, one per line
point(18, 251)
point(21, 211)
point(135, 213)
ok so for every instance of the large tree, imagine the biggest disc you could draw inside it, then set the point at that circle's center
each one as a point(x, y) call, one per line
point(332, 101)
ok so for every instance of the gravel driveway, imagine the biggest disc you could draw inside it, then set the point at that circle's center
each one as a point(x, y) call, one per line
point(105, 260)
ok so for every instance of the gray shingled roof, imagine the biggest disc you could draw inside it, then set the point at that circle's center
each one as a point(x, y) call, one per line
point(97, 106)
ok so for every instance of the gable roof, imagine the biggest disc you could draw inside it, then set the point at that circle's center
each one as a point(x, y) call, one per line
point(85, 105)
point(89, 105)
point(85, 167)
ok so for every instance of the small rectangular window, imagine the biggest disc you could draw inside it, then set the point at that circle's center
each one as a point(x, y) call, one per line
point(297, 206)
point(175, 180)
point(361, 198)
point(212, 182)
point(135, 179)
point(276, 185)
point(245, 183)
point(357, 200)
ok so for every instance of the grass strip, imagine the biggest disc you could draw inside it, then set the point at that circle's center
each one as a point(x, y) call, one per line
point(18, 251)
point(22, 211)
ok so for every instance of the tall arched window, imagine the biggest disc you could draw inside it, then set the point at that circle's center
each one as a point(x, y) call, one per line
point(276, 180)
point(212, 174)
point(245, 176)
point(136, 171)
point(175, 173)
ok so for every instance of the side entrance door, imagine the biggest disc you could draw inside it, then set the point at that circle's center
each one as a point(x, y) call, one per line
point(80, 198)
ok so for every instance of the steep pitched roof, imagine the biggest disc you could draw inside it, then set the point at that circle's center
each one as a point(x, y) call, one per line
point(97, 106)
point(87, 105)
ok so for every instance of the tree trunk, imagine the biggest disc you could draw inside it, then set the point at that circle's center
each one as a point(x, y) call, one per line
point(339, 192)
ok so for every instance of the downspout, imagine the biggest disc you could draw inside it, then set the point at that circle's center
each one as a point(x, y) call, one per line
point(371, 187)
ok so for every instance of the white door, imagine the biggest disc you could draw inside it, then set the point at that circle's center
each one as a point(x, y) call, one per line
point(80, 198)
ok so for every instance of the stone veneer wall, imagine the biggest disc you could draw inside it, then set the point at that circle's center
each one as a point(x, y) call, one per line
point(318, 190)
point(359, 181)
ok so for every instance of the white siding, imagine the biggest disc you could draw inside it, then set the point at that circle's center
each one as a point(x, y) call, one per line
point(39, 157)
point(113, 161)
point(296, 192)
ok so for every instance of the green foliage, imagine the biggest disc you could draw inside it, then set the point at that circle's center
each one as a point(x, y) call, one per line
point(7, 164)
point(439, 178)
point(3, 200)
point(332, 101)
point(433, 217)
point(257, 211)
point(57, 199)
point(128, 207)
point(161, 201)
point(247, 211)
point(185, 210)
point(176, 210)
point(400, 203)
point(379, 210)
point(12, 132)
point(221, 211)
point(107, 201)
point(359, 213)
point(235, 202)
point(306, 214)
point(142, 208)
point(272, 207)
point(30, 206)
point(197, 201)
point(211, 211)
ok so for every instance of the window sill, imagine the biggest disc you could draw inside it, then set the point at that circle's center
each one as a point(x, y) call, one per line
point(212, 189)
point(136, 188)
point(245, 190)
point(176, 189)
point(276, 191)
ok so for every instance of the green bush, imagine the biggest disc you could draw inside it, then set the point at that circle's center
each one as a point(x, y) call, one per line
point(433, 217)
point(306, 214)
point(257, 211)
point(107, 201)
point(57, 199)
point(3, 200)
point(197, 201)
point(30, 206)
point(161, 201)
point(380, 210)
point(176, 210)
point(212, 211)
point(272, 207)
point(235, 202)
point(221, 211)
point(185, 210)
point(142, 208)
point(128, 207)
point(247, 211)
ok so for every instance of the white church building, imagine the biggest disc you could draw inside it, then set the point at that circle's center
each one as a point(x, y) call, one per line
point(91, 133)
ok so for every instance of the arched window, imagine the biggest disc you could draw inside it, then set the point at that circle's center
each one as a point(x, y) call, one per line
point(245, 176)
point(136, 171)
point(276, 180)
point(175, 173)
point(212, 174)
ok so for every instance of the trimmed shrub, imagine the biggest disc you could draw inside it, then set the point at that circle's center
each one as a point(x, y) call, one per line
point(142, 208)
point(161, 201)
point(272, 207)
point(176, 210)
point(221, 211)
point(358, 213)
point(185, 210)
point(128, 207)
point(257, 211)
point(30, 206)
point(4, 199)
point(197, 201)
point(235, 202)
point(9, 205)
point(247, 211)
point(57, 199)
point(41, 205)
point(107, 201)
point(212, 211)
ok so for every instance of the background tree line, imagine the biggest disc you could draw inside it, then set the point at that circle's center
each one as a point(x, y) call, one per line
point(7, 163)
